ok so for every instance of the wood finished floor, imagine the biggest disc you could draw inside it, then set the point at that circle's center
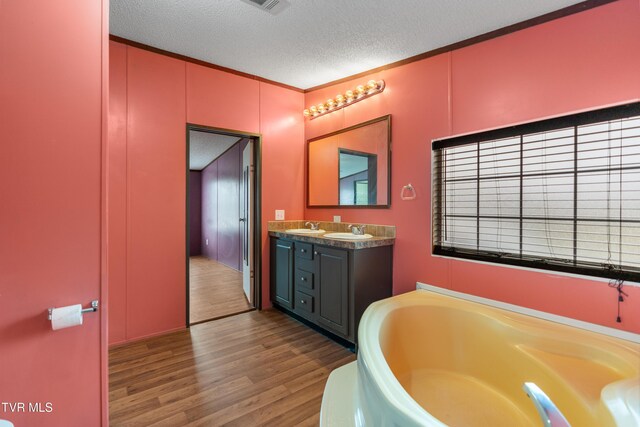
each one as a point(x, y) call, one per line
point(215, 290)
point(260, 368)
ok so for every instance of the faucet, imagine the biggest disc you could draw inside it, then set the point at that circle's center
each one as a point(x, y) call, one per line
point(548, 411)
point(313, 225)
point(357, 229)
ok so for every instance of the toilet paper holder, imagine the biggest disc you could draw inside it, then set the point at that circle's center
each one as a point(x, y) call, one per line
point(94, 307)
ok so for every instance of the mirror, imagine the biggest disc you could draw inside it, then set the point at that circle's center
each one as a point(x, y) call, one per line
point(351, 167)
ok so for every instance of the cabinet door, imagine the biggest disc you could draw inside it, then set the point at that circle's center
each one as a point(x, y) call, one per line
point(282, 272)
point(333, 289)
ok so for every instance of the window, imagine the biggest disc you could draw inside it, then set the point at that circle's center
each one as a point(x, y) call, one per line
point(560, 194)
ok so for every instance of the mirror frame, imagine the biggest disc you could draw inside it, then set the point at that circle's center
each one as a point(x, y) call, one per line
point(359, 125)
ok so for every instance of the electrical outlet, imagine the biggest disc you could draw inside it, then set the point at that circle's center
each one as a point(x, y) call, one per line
point(279, 214)
point(206, 242)
point(337, 218)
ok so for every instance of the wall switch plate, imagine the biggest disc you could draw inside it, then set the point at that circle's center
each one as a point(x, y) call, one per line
point(337, 218)
point(279, 214)
point(206, 242)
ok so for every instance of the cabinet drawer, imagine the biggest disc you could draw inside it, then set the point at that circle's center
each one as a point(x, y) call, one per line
point(305, 264)
point(304, 250)
point(304, 303)
point(304, 280)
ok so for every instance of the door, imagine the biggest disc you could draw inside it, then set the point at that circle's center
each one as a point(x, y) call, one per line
point(333, 289)
point(52, 91)
point(246, 219)
point(282, 272)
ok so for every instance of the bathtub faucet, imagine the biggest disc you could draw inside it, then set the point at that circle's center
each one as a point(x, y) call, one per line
point(313, 225)
point(357, 229)
point(548, 411)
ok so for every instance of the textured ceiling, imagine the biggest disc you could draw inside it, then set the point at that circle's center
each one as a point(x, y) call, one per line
point(205, 147)
point(312, 42)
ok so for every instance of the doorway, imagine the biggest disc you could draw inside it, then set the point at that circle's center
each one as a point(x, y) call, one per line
point(358, 177)
point(223, 218)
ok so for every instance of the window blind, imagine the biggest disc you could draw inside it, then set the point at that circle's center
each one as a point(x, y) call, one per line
point(560, 194)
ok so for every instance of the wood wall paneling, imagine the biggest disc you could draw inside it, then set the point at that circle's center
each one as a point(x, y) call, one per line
point(155, 193)
point(117, 201)
point(195, 213)
point(156, 118)
point(223, 100)
point(228, 236)
point(577, 62)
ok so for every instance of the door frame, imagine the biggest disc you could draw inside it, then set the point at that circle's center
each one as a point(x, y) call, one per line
point(257, 207)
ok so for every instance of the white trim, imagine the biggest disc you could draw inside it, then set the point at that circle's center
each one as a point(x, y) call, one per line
point(535, 270)
point(605, 330)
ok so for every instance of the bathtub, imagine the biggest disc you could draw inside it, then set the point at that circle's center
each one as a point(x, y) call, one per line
point(434, 357)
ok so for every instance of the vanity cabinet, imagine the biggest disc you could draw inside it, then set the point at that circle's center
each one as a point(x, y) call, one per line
point(333, 289)
point(329, 286)
point(282, 272)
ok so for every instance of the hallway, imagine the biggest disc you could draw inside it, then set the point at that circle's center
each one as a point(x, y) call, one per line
point(215, 290)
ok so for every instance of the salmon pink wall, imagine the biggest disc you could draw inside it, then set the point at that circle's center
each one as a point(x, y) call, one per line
point(215, 96)
point(117, 191)
point(282, 128)
point(52, 100)
point(156, 192)
point(156, 96)
point(578, 62)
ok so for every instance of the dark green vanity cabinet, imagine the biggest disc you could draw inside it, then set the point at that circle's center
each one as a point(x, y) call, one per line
point(330, 286)
point(282, 272)
point(333, 289)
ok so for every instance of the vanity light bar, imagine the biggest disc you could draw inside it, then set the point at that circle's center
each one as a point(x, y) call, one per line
point(361, 92)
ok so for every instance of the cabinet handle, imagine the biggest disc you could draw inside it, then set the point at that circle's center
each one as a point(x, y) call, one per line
point(303, 250)
point(315, 252)
point(302, 279)
point(302, 301)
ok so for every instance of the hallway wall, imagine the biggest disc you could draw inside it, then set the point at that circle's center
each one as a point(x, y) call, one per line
point(221, 208)
point(195, 213)
point(209, 208)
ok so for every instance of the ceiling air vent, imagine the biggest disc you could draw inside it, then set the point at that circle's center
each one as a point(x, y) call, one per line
point(272, 6)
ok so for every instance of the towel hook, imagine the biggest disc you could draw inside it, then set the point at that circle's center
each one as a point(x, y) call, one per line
point(408, 192)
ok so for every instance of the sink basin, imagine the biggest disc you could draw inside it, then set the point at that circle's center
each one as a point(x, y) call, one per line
point(303, 231)
point(348, 236)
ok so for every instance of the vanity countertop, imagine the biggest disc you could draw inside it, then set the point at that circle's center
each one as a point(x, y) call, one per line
point(338, 243)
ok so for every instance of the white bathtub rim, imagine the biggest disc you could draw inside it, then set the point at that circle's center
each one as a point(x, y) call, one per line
point(621, 398)
point(370, 354)
point(580, 324)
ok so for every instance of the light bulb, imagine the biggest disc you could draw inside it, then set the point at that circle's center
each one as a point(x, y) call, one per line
point(360, 90)
point(349, 95)
point(306, 113)
point(321, 108)
point(313, 109)
point(330, 103)
point(340, 98)
point(372, 84)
